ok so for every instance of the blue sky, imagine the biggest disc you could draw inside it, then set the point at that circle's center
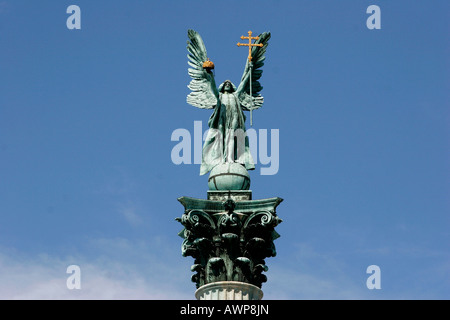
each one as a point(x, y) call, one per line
point(86, 118)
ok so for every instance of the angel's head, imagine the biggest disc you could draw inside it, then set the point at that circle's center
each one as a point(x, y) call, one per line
point(227, 86)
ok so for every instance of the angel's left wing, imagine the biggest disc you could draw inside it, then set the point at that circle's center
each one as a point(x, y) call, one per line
point(253, 68)
point(204, 93)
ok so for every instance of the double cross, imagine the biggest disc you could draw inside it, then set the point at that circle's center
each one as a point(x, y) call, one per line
point(250, 44)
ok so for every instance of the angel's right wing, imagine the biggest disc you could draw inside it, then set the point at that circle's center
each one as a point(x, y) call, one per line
point(204, 92)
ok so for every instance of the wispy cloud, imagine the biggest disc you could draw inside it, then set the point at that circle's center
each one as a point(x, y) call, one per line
point(287, 283)
point(129, 212)
point(120, 268)
point(312, 275)
point(106, 277)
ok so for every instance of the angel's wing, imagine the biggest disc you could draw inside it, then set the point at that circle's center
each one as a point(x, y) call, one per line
point(258, 57)
point(204, 92)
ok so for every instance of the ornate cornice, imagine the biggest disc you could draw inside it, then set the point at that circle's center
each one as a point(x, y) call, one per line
point(229, 240)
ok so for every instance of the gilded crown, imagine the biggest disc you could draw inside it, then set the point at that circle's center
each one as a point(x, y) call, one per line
point(208, 65)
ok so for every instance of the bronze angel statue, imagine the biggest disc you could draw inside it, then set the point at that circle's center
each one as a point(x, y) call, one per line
point(226, 140)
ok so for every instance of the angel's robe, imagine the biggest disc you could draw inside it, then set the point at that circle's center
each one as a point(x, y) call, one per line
point(226, 140)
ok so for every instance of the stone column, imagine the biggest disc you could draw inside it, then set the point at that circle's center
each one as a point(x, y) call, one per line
point(229, 290)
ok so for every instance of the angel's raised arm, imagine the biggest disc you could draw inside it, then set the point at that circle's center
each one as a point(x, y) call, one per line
point(204, 91)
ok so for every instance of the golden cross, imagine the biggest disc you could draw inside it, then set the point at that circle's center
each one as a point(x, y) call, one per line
point(250, 44)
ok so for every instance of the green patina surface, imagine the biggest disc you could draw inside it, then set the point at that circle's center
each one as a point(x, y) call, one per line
point(228, 102)
point(229, 235)
point(229, 240)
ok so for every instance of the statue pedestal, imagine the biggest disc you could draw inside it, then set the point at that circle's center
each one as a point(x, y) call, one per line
point(229, 290)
